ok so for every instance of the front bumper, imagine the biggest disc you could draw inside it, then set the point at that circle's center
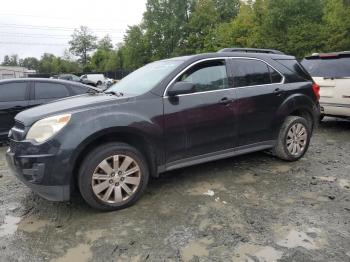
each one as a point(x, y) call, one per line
point(34, 171)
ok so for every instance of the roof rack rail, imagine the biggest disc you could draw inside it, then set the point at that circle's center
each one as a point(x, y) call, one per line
point(251, 50)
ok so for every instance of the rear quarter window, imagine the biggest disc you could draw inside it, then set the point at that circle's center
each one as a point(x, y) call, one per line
point(328, 67)
point(297, 69)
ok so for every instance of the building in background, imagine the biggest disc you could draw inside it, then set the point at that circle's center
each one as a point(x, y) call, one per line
point(7, 72)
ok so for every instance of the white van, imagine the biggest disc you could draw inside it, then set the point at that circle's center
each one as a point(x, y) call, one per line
point(97, 79)
point(332, 73)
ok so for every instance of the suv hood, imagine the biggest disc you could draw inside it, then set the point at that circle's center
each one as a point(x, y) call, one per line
point(66, 105)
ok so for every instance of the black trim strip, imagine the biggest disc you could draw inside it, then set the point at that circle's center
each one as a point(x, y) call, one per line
point(217, 155)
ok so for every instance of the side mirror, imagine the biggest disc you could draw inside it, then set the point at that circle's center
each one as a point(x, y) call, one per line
point(181, 88)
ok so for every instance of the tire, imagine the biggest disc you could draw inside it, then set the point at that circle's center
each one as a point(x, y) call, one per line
point(119, 188)
point(98, 83)
point(284, 148)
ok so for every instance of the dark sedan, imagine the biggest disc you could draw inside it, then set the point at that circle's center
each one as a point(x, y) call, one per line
point(17, 95)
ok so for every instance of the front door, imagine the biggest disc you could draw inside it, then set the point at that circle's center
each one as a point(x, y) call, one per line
point(202, 122)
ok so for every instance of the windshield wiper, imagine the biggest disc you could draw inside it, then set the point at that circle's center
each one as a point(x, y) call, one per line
point(114, 93)
point(94, 90)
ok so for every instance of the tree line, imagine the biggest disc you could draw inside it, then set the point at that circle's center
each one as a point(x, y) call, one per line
point(181, 27)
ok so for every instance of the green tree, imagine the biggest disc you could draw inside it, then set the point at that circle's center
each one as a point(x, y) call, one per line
point(10, 60)
point(100, 58)
point(164, 26)
point(202, 24)
point(105, 43)
point(227, 9)
point(337, 25)
point(82, 43)
point(30, 63)
point(134, 51)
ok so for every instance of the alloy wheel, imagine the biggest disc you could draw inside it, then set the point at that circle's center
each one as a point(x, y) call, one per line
point(116, 179)
point(296, 139)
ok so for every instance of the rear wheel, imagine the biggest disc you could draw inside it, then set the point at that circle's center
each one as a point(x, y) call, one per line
point(113, 176)
point(293, 139)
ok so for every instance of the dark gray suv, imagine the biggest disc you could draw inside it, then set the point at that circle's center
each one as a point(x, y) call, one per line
point(167, 115)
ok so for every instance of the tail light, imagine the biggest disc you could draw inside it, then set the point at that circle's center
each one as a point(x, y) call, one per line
point(316, 89)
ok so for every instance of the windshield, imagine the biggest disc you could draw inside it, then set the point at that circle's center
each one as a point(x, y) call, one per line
point(332, 68)
point(145, 78)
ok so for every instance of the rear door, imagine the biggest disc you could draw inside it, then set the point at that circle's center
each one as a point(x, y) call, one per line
point(259, 91)
point(13, 99)
point(44, 92)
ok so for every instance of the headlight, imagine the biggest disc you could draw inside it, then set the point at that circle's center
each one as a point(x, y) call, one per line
point(46, 128)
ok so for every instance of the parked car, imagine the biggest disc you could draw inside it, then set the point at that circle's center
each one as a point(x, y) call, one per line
point(166, 115)
point(17, 95)
point(69, 77)
point(332, 72)
point(97, 79)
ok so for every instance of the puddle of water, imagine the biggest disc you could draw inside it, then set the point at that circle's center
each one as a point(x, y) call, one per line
point(295, 238)
point(10, 226)
point(344, 183)
point(277, 169)
point(247, 178)
point(196, 248)
point(81, 253)
point(93, 235)
point(314, 196)
point(204, 224)
point(124, 258)
point(32, 224)
point(251, 253)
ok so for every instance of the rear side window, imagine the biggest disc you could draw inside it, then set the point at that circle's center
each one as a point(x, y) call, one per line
point(275, 76)
point(251, 72)
point(326, 67)
point(207, 76)
point(293, 66)
point(50, 90)
point(78, 90)
point(13, 92)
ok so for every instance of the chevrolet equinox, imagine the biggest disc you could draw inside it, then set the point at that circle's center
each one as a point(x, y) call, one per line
point(166, 115)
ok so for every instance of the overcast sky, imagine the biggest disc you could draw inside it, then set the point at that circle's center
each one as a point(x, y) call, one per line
point(31, 28)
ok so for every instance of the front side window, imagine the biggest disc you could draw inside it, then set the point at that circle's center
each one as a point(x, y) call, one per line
point(207, 76)
point(50, 90)
point(13, 92)
point(250, 72)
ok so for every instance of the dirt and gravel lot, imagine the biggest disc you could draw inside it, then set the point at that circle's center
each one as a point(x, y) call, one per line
point(248, 208)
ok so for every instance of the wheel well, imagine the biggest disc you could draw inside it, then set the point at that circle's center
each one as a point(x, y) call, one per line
point(134, 140)
point(304, 114)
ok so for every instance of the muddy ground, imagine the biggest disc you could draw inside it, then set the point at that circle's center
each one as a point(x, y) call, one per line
point(248, 208)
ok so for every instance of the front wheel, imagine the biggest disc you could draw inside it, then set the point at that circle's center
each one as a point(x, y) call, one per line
point(113, 176)
point(293, 139)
